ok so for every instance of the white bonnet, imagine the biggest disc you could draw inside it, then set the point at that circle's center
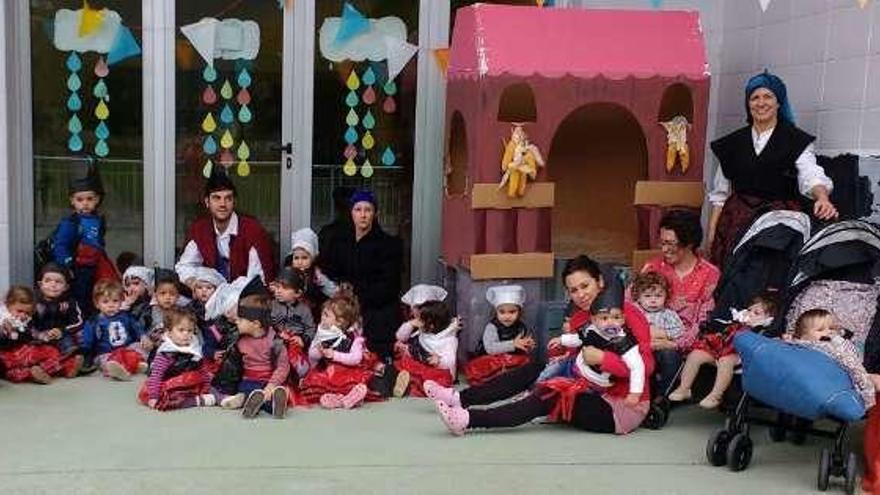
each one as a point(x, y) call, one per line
point(225, 297)
point(421, 293)
point(305, 239)
point(506, 294)
point(140, 272)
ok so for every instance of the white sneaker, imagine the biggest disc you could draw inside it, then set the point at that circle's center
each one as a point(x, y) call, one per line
point(232, 401)
point(207, 400)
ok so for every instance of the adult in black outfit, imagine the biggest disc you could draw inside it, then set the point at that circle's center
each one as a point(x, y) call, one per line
point(370, 260)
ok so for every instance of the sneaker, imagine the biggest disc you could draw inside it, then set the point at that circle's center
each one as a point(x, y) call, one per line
point(401, 384)
point(253, 403)
point(232, 401)
point(456, 419)
point(279, 402)
point(331, 401)
point(39, 375)
point(75, 368)
point(116, 371)
point(679, 395)
point(207, 400)
point(143, 367)
point(711, 401)
point(355, 396)
point(446, 395)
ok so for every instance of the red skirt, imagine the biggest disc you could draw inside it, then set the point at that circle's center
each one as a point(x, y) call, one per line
point(484, 368)
point(871, 480)
point(177, 390)
point(130, 359)
point(19, 360)
point(296, 355)
point(420, 372)
point(739, 211)
point(719, 344)
point(335, 378)
point(566, 390)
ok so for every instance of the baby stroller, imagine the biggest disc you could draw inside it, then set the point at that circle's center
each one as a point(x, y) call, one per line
point(761, 259)
point(837, 270)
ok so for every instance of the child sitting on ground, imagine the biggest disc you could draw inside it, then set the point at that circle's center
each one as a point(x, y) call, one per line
point(165, 298)
point(304, 252)
point(112, 338)
point(817, 330)
point(178, 378)
point(507, 343)
point(78, 240)
point(57, 319)
point(428, 353)
point(292, 319)
point(138, 283)
point(221, 311)
point(340, 367)
point(606, 332)
point(22, 359)
point(255, 369)
point(717, 348)
point(205, 282)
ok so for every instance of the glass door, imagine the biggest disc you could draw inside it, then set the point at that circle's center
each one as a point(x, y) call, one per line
point(364, 122)
point(230, 84)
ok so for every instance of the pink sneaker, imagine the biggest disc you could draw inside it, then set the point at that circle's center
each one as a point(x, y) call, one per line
point(331, 401)
point(437, 392)
point(355, 396)
point(456, 419)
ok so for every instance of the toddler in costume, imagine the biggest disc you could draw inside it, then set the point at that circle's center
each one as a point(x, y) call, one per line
point(23, 359)
point(341, 367)
point(303, 255)
point(292, 318)
point(204, 282)
point(177, 378)
point(651, 290)
point(221, 311)
point(254, 370)
point(717, 348)
point(506, 343)
point(428, 352)
point(112, 338)
point(57, 319)
point(138, 283)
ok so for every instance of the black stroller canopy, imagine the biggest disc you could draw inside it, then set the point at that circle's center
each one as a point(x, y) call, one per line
point(848, 250)
point(762, 259)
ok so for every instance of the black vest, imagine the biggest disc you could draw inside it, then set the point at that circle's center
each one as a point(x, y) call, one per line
point(772, 175)
point(505, 333)
point(183, 362)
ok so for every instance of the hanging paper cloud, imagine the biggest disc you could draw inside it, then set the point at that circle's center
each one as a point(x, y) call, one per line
point(399, 53)
point(125, 46)
point(66, 36)
point(368, 46)
point(229, 39)
point(353, 24)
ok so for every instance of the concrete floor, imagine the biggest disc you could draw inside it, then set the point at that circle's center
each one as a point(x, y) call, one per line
point(90, 436)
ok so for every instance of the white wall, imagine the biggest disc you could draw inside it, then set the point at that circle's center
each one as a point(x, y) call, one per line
point(828, 53)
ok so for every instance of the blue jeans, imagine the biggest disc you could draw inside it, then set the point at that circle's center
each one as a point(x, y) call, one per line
point(562, 367)
point(668, 361)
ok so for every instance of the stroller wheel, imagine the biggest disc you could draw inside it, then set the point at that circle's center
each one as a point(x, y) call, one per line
point(716, 448)
point(852, 471)
point(739, 452)
point(824, 470)
point(656, 418)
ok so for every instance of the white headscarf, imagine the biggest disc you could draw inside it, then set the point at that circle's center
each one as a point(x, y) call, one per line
point(305, 239)
point(140, 272)
point(225, 297)
point(421, 293)
point(209, 275)
point(194, 348)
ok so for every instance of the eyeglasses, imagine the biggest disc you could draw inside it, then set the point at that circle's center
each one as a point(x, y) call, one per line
point(669, 244)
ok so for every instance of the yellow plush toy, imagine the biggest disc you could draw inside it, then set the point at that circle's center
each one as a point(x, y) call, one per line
point(519, 163)
point(676, 139)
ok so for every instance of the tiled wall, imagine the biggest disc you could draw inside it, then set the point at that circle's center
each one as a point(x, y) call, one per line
point(828, 53)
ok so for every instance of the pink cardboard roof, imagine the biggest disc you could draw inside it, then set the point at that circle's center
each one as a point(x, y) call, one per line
point(490, 40)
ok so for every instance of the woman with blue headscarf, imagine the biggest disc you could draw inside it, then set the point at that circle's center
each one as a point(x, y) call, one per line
point(767, 165)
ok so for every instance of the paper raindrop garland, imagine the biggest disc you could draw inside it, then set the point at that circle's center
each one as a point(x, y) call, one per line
point(74, 103)
point(102, 110)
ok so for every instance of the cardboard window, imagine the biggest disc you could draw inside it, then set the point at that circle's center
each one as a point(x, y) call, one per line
point(517, 104)
point(676, 100)
point(457, 170)
point(597, 155)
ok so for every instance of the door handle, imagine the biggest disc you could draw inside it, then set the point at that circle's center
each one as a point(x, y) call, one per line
point(287, 148)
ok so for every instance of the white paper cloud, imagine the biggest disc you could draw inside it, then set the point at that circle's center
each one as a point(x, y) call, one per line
point(229, 39)
point(368, 46)
point(67, 36)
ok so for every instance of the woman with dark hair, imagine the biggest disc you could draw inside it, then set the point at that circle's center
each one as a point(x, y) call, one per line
point(767, 165)
point(371, 261)
point(692, 280)
point(605, 411)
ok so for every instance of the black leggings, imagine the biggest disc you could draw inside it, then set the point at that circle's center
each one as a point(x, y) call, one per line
point(591, 412)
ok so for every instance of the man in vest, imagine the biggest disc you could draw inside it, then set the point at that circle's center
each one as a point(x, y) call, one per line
point(234, 245)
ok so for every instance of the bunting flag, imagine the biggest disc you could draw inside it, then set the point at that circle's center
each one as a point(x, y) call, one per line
point(353, 24)
point(765, 4)
point(202, 36)
point(124, 46)
point(399, 53)
point(442, 57)
point(90, 20)
point(656, 4)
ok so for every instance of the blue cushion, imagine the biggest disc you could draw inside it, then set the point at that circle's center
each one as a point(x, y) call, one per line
point(796, 380)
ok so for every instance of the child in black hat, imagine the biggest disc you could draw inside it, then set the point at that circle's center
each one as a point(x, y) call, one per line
point(292, 318)
point(78, 240)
